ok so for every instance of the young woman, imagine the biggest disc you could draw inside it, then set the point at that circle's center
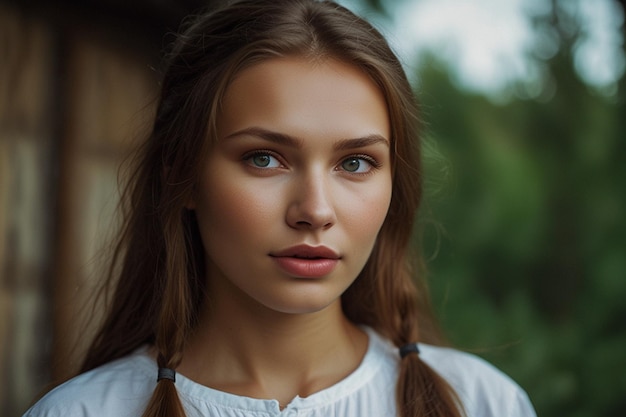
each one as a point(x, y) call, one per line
point(264, 265)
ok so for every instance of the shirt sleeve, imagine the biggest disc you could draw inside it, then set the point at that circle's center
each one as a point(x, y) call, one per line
point(484, 390)
point(521, 406)
point(46, 408)
point(114, 390)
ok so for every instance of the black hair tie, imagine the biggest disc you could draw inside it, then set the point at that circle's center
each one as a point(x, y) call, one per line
point(166, 373)
point(408, 349)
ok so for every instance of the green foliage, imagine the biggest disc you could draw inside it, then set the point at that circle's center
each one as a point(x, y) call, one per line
point(523, 225)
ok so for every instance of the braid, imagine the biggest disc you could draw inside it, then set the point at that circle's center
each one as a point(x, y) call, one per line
point(174, 323)
point(420, 390)
point(164, 401)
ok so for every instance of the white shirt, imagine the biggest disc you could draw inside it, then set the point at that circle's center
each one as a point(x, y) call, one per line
point(123, 387)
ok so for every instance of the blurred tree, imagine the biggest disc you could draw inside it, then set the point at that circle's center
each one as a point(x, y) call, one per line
point(524, 226)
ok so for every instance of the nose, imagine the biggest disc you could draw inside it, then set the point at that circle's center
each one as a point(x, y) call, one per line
point(311, 206)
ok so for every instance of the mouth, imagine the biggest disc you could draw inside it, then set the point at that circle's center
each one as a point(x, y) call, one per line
point(306, 252)
point(305, 261)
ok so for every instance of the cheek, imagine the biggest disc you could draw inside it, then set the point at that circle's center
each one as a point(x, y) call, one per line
point(236, 213)
point(365, 212)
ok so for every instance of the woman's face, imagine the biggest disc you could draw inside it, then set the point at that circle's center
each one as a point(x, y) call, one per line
point(295, 191)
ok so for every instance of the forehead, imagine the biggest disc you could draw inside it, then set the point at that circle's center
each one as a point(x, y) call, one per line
point(296, 93)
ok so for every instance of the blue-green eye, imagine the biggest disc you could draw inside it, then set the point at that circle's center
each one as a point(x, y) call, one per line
point(351, 164)
point(262, 160)
point(356, 165)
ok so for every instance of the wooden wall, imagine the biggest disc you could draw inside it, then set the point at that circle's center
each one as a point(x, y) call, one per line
point(25, 200)
point(73, 102)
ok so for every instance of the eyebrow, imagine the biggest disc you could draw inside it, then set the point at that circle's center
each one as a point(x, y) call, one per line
point(362, 142)
point(283, 139)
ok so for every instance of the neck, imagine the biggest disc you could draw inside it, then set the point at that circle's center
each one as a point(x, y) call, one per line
point(250, 350)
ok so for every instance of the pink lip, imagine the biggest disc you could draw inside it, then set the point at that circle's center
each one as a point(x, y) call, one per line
point(306, 261)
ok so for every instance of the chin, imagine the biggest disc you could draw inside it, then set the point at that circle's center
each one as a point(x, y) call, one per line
point(304, 304)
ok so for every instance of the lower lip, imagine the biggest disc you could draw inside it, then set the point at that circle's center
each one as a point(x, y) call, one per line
point(306, 268)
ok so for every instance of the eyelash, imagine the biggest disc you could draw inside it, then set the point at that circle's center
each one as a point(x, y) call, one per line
point(263, 152)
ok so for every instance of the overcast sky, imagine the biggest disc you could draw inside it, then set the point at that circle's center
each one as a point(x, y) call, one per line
point(486, 42)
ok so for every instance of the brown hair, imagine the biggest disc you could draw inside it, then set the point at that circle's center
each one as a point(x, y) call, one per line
point(158, 268)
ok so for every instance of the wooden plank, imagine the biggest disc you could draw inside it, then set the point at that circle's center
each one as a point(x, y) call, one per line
point(109, 91)
point(26, 211)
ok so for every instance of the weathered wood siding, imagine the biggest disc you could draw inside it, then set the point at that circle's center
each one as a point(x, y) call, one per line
point(73, 102)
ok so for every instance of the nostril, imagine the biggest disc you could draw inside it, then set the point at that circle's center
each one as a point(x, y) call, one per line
point(310, 213)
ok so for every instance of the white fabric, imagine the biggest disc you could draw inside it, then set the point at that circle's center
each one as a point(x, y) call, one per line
point(122, 389)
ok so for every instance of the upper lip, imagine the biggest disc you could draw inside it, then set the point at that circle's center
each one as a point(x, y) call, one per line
point(306, 251)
